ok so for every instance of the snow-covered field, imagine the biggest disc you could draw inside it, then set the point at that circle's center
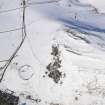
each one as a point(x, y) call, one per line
point(76, 28)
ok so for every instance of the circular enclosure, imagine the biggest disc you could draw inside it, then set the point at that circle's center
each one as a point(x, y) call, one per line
point(25, 72)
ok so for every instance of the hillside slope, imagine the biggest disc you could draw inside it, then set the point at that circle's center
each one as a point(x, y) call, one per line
point(62, 60)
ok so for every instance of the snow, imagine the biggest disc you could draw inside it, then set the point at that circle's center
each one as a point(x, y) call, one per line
point(81, 43)
point(100, 4)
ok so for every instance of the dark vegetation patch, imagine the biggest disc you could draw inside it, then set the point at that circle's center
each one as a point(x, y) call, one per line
point(54, 66)
point(36, 100)
point(76, 98)
point(8, 99)
point(56, 75)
